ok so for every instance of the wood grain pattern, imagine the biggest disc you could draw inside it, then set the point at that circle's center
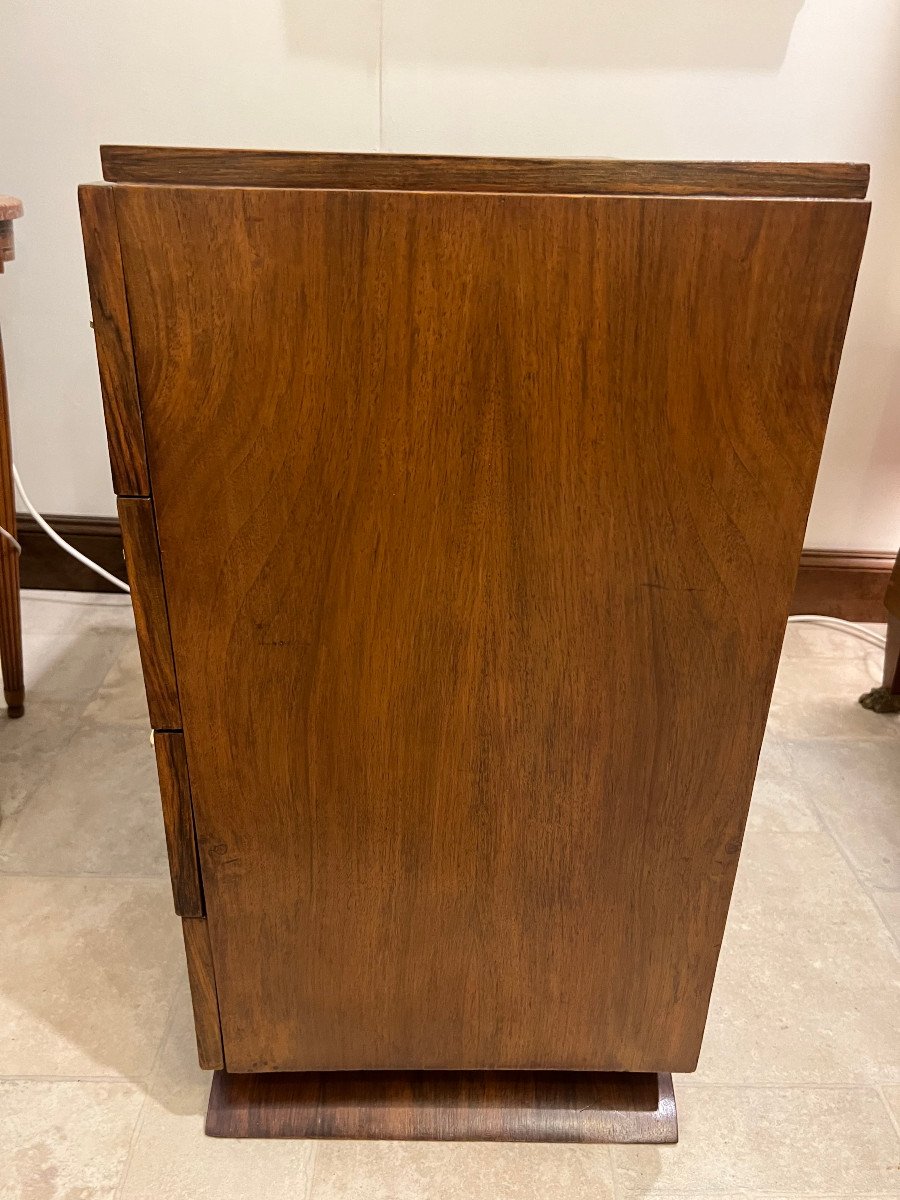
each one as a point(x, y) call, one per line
point(414, 172)
point(509, 1106)
point(112, 336)
point(837, 582)
point(202, 979)
point(473, 726)
point(178, 818)
point(151, 618)
point(11, 661)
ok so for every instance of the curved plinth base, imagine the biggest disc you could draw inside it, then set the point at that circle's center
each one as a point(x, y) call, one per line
point(495, 1106)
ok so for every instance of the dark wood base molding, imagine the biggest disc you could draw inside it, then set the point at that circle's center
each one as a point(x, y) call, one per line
point(838, 583)
point(456, 1106)
point(44, 565)
point(843, 583)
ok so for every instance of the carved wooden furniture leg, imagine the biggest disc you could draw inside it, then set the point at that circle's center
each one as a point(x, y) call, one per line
point(10, 607)
point(886, 699)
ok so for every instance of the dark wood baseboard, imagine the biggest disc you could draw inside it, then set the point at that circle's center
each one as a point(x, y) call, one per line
point(839, 583)
point(45, 565)
point(843, 583)
point(456, 1106)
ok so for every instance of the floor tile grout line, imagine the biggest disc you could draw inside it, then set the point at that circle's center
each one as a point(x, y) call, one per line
point(313, 1166)
point(841, 739)
point(135, 1080)
point(872, 1086)
point(161, 878)
point(129, 1153)
point(832, 659)
point(44, 773)
point(834, 738)
point(826, 826)
point(785, 744)
point(895, 1121)
point(614, 1174)
point(893, 934)
point(139, 1120)
point(870, 739)
point(865, 887)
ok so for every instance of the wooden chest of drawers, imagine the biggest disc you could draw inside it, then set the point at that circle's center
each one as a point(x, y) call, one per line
point(462, 502)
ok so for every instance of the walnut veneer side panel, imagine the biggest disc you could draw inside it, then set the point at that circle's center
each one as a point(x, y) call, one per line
point(178, 818)
point(112, 336)
point(481, 516)
point(151, 618)
point(202, 980)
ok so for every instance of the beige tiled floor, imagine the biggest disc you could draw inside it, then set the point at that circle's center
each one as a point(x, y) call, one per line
point(798, 1090)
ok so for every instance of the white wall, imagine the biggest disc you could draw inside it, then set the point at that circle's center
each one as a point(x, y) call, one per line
point(767, 79)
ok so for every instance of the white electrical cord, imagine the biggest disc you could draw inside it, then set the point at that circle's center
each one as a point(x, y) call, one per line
point(51, 533)
point(868, 635)
point(17, 546)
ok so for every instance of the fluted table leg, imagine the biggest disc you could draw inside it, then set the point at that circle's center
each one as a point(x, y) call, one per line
point(10, 606)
